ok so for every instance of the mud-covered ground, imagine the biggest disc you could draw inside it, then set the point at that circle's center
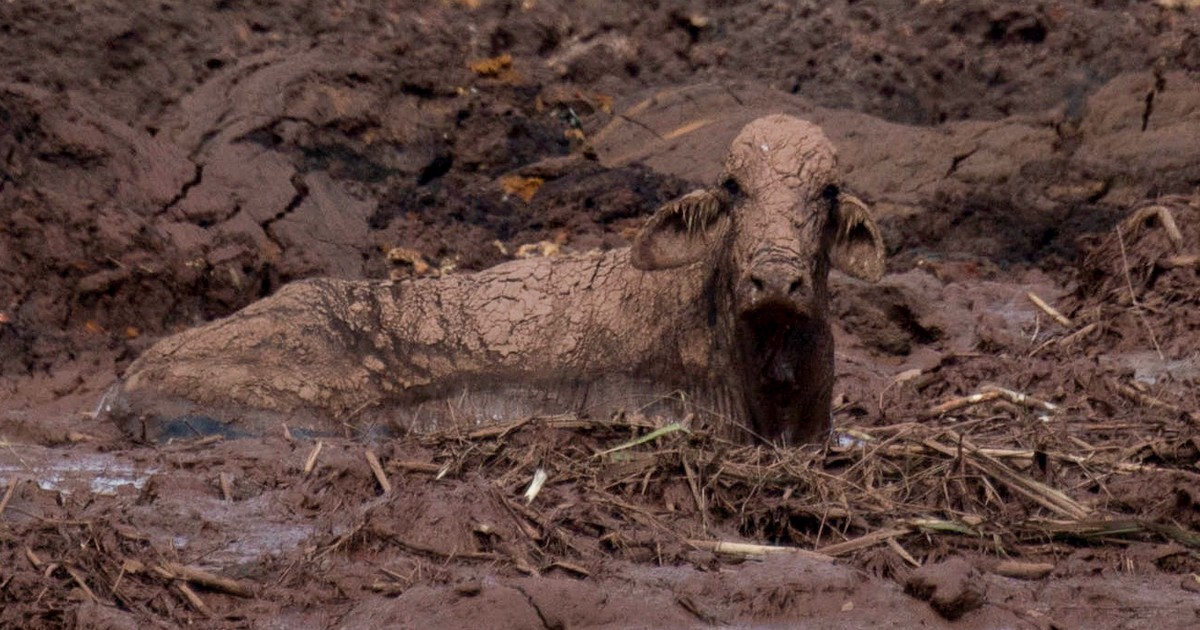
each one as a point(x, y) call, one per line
point(165, 164)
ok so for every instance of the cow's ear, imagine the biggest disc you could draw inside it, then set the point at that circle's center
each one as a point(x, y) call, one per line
point(857, 248)
point(681, 232)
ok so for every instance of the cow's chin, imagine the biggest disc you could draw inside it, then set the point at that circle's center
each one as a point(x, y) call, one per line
point(782, 347)
point(776, 339)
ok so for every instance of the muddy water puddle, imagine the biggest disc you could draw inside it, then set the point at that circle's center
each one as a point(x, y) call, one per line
point(71, 473)
point(221, 533)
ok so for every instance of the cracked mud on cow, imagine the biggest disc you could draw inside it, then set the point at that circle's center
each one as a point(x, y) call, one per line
point(555, 314)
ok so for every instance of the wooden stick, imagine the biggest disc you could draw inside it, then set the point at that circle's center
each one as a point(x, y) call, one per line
point(75, 575)
point(862, 542)
point(989, 393)
point(965, 401)
point(311, 462)
point(522, 565)
point(34, 559)
point(376, 468)
point(522, 518)
point(1047, 309)
point(423, 467)
point(190, 444)
point(569, 568)
point(12, 486)
point(193, 599)
point(226, 486)
point(753, 550)
point(1017, 398)
point(1075, 336)
point(1172, 262)
point(1168, 222)
point(1023, 570)
point(204, 578)
point(387, 588)
point(1144, 399)
point(902, 552)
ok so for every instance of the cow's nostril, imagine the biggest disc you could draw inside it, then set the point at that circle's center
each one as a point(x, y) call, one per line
point(796, 285)
point(757, 282)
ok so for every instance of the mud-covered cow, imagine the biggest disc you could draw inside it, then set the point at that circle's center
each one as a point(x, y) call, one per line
point(719, 308)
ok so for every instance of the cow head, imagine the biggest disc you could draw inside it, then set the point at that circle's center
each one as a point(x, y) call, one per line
point(772, 229)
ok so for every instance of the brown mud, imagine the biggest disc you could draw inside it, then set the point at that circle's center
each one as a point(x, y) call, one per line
point(164, 165)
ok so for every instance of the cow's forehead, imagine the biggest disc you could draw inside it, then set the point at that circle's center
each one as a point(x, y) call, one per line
point(783, 150)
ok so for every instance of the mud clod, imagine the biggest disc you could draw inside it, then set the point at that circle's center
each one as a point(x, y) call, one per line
point(952, 587)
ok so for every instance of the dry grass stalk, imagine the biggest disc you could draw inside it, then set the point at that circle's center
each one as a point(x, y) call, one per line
point(977, 486)
point(752, 550)
point(1049, 310)
point(1036, 491)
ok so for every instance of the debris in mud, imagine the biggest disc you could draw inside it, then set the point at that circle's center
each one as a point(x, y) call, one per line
point(619, 491)
point(1143, 279)
point(1151, 258)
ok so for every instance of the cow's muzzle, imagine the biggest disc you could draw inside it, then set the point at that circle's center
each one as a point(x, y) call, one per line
point(777, 281)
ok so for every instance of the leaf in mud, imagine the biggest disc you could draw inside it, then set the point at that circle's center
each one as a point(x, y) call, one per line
point(523, 187)
point(498, 67)
point(649, 437)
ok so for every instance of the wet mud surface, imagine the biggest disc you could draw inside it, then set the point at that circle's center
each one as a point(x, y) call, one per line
point(994, 464)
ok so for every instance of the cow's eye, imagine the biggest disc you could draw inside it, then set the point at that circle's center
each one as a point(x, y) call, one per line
point(731, 186)
point(831, 193)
